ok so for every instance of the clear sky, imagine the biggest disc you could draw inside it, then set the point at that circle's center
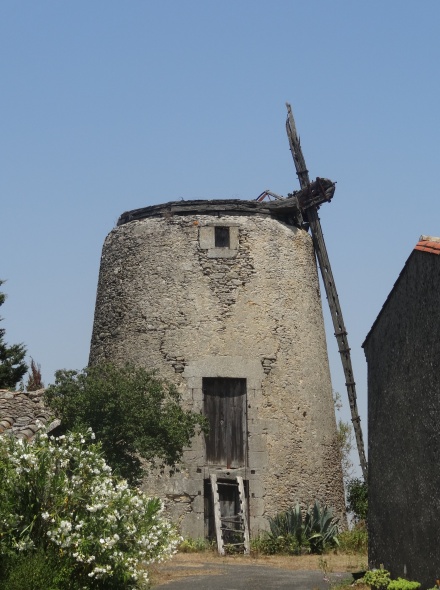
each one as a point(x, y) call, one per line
point(108, 106)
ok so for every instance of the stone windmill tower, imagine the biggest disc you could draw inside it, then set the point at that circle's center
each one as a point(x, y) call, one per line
point(222, 298)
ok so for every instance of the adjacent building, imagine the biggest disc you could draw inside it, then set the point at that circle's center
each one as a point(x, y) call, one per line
point(403, 355)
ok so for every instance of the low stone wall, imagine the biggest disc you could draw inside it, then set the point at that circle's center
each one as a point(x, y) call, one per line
point(23, 413)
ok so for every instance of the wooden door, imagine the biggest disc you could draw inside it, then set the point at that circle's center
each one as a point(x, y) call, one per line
point(224, 401)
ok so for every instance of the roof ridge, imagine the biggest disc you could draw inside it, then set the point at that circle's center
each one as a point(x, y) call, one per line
point(428, 244)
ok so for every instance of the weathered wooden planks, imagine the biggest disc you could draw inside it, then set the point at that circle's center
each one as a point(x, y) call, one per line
point(329, 283)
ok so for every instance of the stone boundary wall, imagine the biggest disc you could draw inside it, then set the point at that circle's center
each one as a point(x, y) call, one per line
point(23, 413)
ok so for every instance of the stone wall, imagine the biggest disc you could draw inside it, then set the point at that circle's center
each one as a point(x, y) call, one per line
point(169, 299)
point(403, 355)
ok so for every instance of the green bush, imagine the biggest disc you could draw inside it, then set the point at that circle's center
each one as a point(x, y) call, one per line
point(190, 545)
point(357, 499)
point(402, 584)
point(354, 541)
point(271, 545)
point(380, 580)
point(134, 414)
point(377, 578)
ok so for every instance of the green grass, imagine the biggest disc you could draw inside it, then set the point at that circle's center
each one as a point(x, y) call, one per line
point(190, 545)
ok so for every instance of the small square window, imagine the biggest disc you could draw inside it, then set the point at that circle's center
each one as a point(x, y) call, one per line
point(222, 238)
point(220, 241)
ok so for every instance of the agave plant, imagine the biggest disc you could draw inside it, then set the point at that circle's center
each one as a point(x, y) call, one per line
point(318, 528)
point(288, 524)
point(321, 528)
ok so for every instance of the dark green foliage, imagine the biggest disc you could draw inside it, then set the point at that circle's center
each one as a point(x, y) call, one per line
point(357, 499)
point(40, 569)
point(12, 365)
point(133, 413)
point(290, 532)
point(48, 569)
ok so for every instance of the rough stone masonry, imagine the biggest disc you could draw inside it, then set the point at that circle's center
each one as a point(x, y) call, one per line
point(209, 290)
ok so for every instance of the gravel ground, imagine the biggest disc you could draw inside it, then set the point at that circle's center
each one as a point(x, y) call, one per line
point(210, 572)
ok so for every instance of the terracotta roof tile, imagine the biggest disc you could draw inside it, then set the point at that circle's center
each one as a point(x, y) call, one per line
point(20, 412)
point(428, 244)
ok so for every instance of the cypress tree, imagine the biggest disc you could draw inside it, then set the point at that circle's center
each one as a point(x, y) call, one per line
point(12, 365)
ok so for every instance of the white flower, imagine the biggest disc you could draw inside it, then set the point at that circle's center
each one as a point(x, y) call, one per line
point(88, 506)
point(65, 525)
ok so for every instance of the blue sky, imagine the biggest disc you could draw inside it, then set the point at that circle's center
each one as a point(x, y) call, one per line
point(109, 106)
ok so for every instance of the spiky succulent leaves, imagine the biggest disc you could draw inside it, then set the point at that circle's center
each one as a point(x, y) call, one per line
point(296, 524)
point(288, 525)
point(277, 524)
point(321, 528)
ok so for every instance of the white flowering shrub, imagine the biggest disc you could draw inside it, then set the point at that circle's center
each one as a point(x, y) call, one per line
point(59, 495)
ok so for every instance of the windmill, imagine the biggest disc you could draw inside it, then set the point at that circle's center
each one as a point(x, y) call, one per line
point(307, 201)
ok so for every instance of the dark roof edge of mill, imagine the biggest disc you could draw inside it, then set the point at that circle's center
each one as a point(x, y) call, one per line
point(426, 244)
point(280, 209)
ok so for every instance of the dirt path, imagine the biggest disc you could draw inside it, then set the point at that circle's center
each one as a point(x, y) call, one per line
point(251, 571)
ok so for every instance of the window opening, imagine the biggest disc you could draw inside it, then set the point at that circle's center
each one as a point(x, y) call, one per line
point(222, 237)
